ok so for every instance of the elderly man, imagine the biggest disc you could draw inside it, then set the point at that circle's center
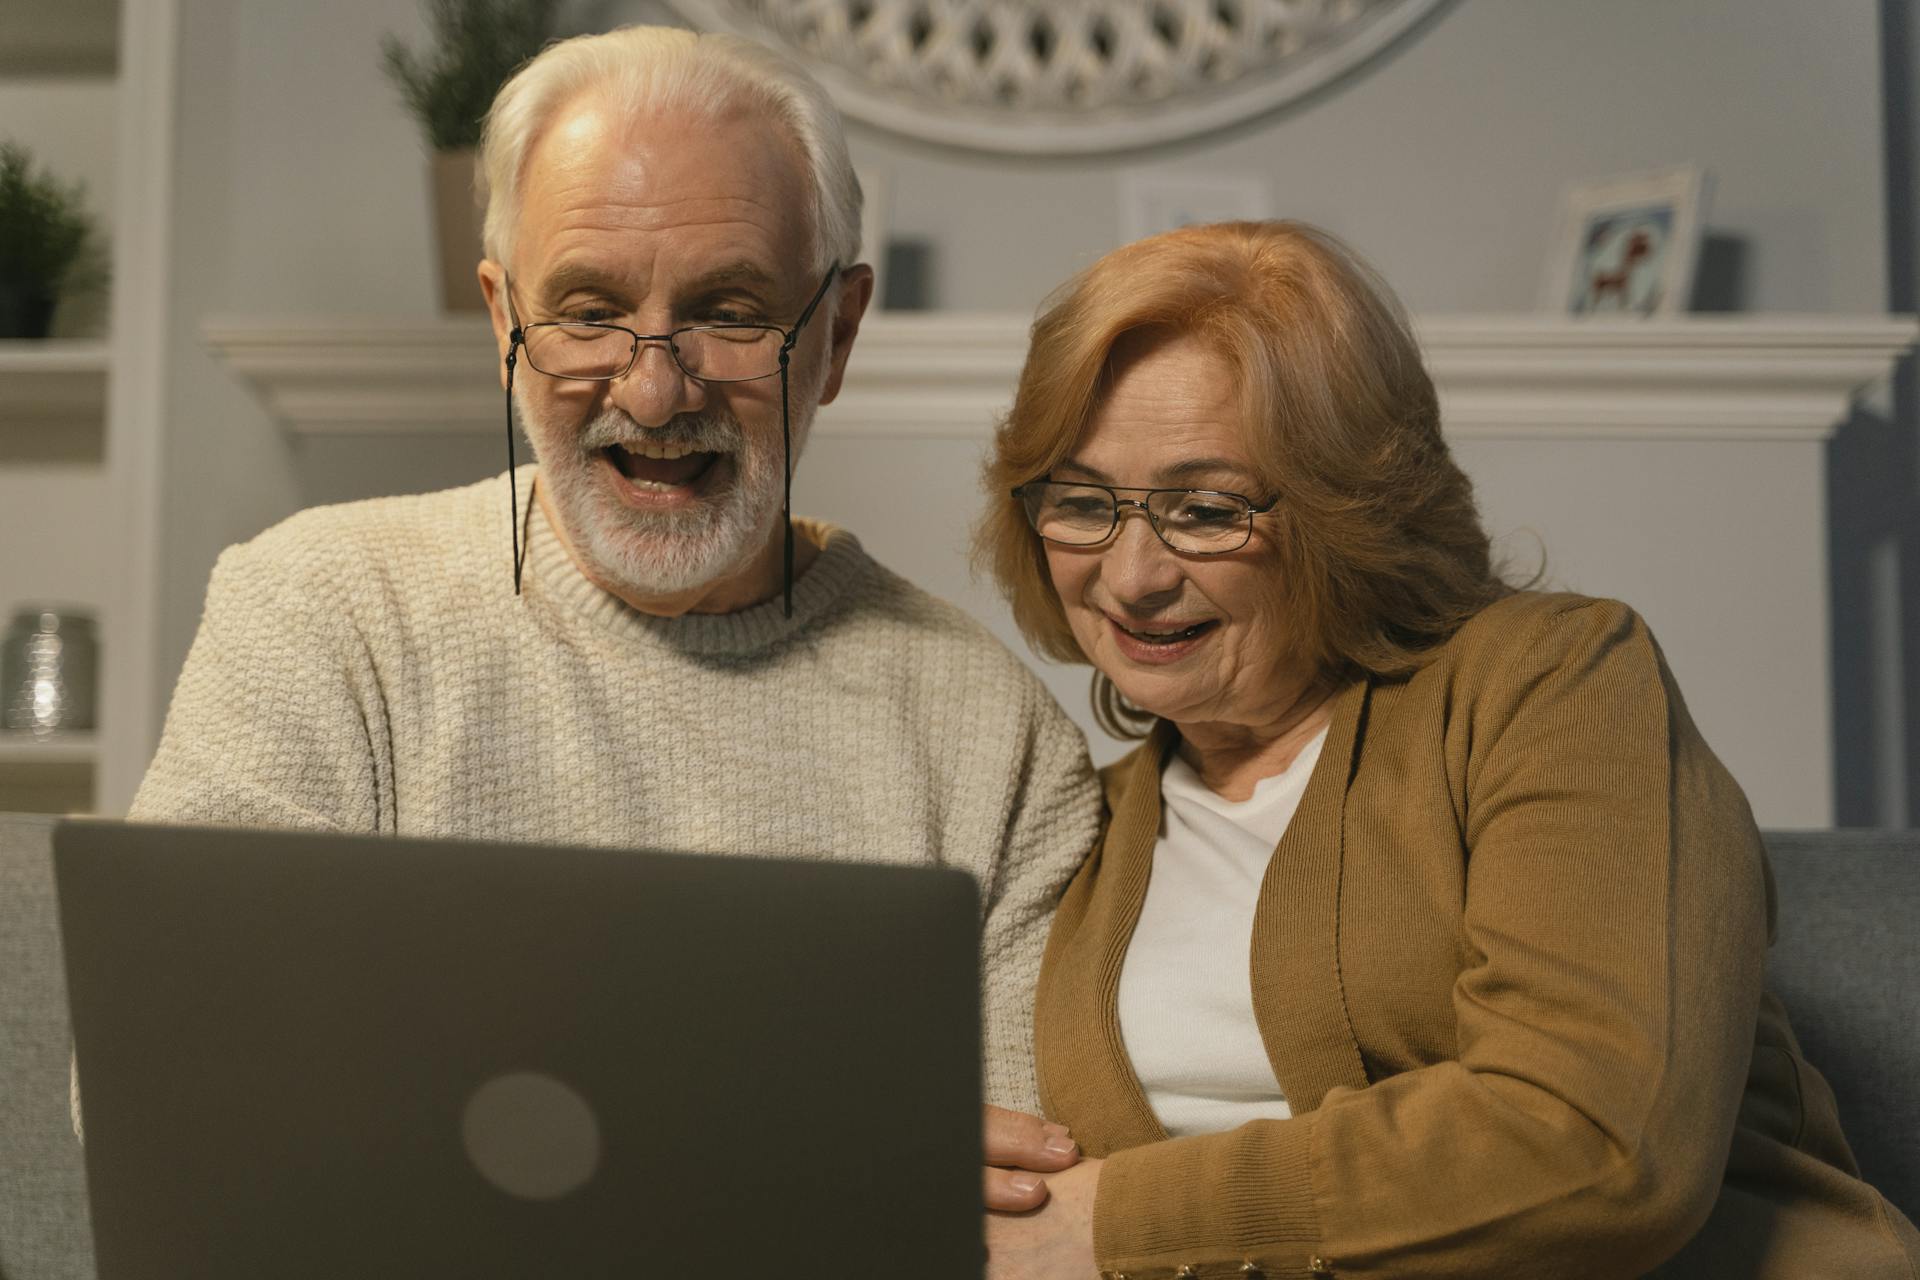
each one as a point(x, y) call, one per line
point(663, 660)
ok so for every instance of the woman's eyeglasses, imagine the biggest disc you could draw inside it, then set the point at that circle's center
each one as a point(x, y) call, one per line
point(1200, 522)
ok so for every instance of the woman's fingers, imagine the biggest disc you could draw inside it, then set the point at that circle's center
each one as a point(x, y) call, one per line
point(1014, 1190)
point(1016, 1140)
point(1020, 1147)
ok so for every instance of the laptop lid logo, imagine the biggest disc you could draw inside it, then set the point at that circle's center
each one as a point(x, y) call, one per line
point(531, 1136)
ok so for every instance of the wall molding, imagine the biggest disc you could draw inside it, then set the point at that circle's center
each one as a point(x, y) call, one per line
point(947, 375)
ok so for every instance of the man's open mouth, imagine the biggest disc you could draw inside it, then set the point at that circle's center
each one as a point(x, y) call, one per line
point(660, 466)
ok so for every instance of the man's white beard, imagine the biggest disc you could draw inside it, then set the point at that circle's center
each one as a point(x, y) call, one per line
point(654, 554)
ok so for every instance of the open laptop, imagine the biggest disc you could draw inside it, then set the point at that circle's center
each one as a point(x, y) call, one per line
point(308, 1055)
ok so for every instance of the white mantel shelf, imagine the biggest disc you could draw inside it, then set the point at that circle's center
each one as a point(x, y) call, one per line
point(948, 375)
point(52, 378)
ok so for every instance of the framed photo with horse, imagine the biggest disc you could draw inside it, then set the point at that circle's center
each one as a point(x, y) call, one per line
point(1627, 245)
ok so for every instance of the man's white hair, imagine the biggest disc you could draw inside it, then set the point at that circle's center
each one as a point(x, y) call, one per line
point(647, 70)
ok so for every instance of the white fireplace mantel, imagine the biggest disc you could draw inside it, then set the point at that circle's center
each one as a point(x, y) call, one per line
point(948, 375)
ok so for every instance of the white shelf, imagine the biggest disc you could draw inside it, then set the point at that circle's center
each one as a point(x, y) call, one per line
point(53, 379)
point(55, 774)
point(949, 375)
point(70, 749)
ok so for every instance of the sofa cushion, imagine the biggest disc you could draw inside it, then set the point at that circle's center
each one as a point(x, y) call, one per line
point(1846, 963)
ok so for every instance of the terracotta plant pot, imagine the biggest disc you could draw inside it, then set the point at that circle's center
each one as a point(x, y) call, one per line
point(456, 228)
point(26, 311)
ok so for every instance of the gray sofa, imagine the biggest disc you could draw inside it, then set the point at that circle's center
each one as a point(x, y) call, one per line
point(1847, 963)
point(43, 1196)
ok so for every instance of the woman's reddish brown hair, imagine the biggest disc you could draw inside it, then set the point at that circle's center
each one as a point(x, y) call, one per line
point(1383, 556)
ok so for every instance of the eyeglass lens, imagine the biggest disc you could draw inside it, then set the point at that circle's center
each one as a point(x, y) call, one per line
point(1185, 519)
point(730, 353)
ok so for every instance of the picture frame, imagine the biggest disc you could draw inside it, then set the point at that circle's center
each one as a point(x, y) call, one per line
point(1627, 245)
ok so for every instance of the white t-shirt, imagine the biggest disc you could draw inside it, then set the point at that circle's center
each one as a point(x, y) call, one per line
point(1186, 994)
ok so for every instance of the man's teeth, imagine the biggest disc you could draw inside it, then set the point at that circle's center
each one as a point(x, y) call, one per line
point(663, 452)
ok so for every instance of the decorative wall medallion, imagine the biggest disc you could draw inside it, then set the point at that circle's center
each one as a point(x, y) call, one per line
point(1070, 76)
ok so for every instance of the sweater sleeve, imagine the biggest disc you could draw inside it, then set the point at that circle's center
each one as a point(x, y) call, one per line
point(1613, 941)
point(277, 719)
point(1053, 824)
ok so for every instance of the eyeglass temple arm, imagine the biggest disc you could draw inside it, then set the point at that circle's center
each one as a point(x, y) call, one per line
point(793, 335)
point(516, 338)
point(787, 341)
point(786, 482)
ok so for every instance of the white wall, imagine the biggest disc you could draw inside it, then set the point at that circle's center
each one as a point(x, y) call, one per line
point(1444, 161)
point(302, 189)
point(1710, 541)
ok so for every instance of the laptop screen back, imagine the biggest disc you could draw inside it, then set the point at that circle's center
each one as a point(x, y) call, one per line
point(309, 1055)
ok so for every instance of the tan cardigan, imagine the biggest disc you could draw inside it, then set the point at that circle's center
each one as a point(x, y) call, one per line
point(1507, 966)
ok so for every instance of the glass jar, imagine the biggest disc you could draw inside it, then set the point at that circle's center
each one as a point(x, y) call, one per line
point(49, 666)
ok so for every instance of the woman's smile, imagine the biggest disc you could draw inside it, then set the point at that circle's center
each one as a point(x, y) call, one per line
point(1160, 643)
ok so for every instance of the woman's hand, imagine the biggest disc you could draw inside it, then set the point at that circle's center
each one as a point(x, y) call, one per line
point(1054, 1242)
point(1019, 1148)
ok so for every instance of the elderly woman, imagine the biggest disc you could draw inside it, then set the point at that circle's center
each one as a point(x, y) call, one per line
point(1426, 935)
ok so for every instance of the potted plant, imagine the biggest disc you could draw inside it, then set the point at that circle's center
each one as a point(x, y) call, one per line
point(45, 244)
point(476, 45)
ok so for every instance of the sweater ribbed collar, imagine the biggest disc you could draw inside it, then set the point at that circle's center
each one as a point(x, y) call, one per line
point(551, 572)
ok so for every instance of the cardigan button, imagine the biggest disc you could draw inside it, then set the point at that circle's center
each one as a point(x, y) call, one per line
point(1186, 1273)
point(1320, 1266)
point(1251, 1270)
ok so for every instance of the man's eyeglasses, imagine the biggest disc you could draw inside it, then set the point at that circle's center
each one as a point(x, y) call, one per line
point(593, 352)
point(1200, 522)
point(589, 351)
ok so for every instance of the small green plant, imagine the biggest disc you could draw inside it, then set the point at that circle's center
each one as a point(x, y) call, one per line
point(477, 45)
point(44, 228)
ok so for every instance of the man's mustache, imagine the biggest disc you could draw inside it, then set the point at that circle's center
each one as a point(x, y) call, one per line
point(700, 432)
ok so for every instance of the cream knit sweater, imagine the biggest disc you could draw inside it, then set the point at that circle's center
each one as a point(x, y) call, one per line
point(368, 668)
